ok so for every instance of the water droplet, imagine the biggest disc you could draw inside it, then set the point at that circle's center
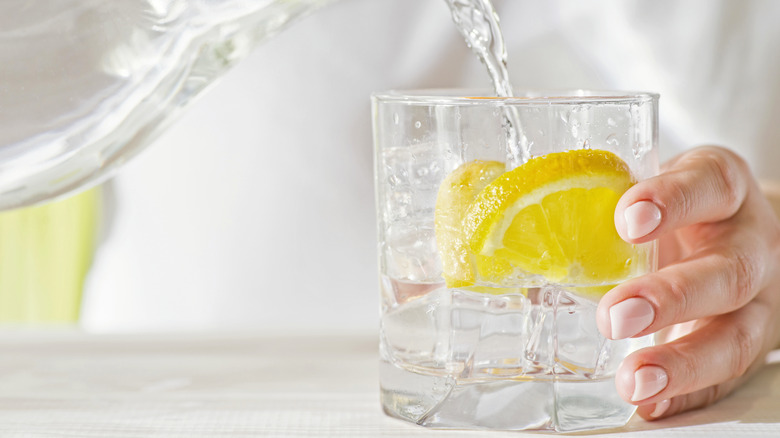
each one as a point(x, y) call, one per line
point(395, 118)
point(417, 124)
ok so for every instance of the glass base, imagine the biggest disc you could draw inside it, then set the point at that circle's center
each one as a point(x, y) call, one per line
point(541, 405)
point(534, 361)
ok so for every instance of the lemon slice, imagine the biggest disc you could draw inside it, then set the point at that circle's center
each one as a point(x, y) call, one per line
point(553, 216)
point(456, 194)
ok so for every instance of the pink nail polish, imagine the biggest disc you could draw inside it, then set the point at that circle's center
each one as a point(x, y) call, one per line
point(630, 317)
point(660, 407)
point(648, 381)
point(641, 219)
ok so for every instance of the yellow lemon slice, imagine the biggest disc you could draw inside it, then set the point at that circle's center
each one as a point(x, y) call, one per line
point(553, 216)
point(456, 194)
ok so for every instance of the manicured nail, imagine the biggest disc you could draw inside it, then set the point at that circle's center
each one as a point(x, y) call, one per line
point(630, 317)
point(641, 219)
point(660, 408)
point(648, 381)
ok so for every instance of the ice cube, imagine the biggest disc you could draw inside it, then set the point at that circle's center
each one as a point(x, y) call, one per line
point(488, 334)
point(579, 343)
point(414, 332)
point(410, 251)
point(538, 349)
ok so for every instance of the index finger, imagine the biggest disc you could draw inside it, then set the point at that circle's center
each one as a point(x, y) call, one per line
point(705, 185)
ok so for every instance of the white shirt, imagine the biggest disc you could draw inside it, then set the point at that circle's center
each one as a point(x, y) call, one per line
point(256, 209)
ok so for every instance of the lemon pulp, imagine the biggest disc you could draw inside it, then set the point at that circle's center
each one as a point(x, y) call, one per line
point(550, 217)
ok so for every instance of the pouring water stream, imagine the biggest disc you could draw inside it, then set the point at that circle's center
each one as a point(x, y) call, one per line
point(478, 22)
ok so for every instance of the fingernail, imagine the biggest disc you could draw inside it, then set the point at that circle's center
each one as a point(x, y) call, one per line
point(630, 317)
point(660, 408)
point(641, 219)
point(648, 381)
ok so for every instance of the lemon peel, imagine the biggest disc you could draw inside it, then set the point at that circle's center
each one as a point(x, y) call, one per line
point(456, 193)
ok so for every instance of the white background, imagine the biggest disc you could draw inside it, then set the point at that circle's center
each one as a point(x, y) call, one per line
point(256, 208)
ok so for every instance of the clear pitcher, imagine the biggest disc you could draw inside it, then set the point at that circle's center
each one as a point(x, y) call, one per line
point(86, 84)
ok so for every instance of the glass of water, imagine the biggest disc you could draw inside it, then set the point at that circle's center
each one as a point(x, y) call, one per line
point(496, 242)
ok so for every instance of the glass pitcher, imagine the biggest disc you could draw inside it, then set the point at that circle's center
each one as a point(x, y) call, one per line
point(86, 84)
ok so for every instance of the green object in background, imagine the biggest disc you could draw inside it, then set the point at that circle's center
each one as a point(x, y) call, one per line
point(45, 253)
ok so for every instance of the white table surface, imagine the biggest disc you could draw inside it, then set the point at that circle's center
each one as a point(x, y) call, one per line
point(67, 383)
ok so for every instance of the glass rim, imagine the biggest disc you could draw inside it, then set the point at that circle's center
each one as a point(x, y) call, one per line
point(468, 96)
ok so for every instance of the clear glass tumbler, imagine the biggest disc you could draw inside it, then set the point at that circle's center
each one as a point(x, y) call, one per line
point(496, 241)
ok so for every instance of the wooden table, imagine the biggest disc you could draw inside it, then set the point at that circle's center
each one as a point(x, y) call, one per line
point(68, 383)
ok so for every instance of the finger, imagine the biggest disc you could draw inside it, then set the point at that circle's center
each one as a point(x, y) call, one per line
point(722, 350)
point(687, 402)
point(670, 250)
point(711, 394)
point(704, 185)
point(713, 281)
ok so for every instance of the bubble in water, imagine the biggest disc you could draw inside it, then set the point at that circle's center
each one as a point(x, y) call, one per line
point(640, 149)
point(575, 127)
point(396, 119)
point(417, 124)
point(611, 122)
point(586, 144)
point(612, 140)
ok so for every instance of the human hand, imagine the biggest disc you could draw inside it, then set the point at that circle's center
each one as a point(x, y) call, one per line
point(715, 301)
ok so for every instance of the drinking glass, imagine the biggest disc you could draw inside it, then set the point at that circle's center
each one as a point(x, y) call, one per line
point(508, 347)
